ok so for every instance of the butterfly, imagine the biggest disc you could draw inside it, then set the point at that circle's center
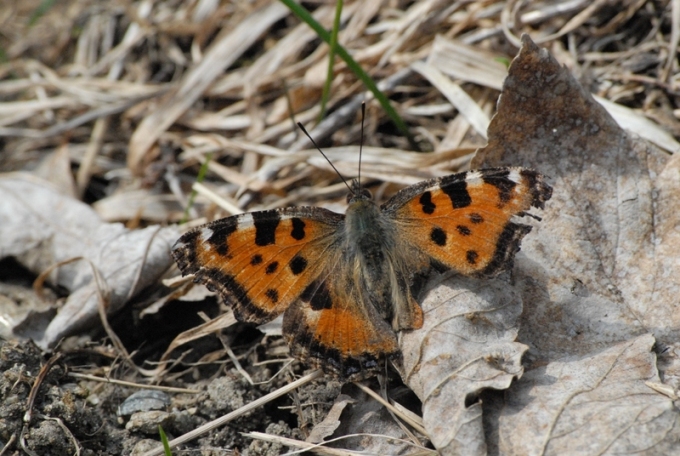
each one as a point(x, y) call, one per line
point(345, 283)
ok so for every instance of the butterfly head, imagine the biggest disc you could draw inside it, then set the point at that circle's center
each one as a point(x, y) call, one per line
point(357, 192)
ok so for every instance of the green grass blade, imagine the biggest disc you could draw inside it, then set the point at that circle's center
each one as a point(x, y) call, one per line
point(40, 11)
point(307, 18)
point(325, 95)
point(164, 439)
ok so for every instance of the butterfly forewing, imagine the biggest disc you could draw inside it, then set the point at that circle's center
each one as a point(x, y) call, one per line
point(464, 221)
point(261, 261)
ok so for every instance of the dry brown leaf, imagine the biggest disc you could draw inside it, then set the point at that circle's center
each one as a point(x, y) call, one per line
point(601, 269)
point(595, 404)
point(140, 203)
point(331, 422)
point(41, 228)
point(597, 272)
point(466, 345)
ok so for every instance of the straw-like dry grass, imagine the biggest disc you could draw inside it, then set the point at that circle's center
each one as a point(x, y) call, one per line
point(139, 93)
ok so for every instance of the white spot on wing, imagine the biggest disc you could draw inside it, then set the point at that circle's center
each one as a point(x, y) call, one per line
point(474, 178)
point(206, 233)
point(245, 219)
point(515, 176)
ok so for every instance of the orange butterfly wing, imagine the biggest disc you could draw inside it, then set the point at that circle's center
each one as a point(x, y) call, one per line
point(260, 262)
point(464, 221)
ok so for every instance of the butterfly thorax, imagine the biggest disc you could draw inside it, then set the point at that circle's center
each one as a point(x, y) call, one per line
point(369, 234)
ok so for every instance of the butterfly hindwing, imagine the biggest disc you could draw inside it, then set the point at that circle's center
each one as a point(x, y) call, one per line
point(464, 221)
point(260, 261)
point(331, 326)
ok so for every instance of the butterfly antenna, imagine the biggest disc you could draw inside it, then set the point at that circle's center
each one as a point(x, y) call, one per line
point(324, 156)
point(361, 142)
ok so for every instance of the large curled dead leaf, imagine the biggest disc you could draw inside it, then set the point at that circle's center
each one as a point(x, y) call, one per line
point(42, 228)
point(599, 272)
point(466, 345)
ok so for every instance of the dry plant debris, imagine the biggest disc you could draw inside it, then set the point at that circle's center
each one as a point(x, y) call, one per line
point(117, 104)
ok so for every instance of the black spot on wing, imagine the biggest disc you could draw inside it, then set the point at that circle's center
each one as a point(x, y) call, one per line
point(298, 264)
point(317, 295)
point(438, 236)
point(266, 223)
point(298, 231)
point(273, 295)
point(426, 203)
point(504, 185)
point(471, 256)
point(308, 292)
point(271, 267)
point(255, 259)
point(221, 230)
point(321, 300)
point(463, 230)
point(457, 192)
point(475, 218)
